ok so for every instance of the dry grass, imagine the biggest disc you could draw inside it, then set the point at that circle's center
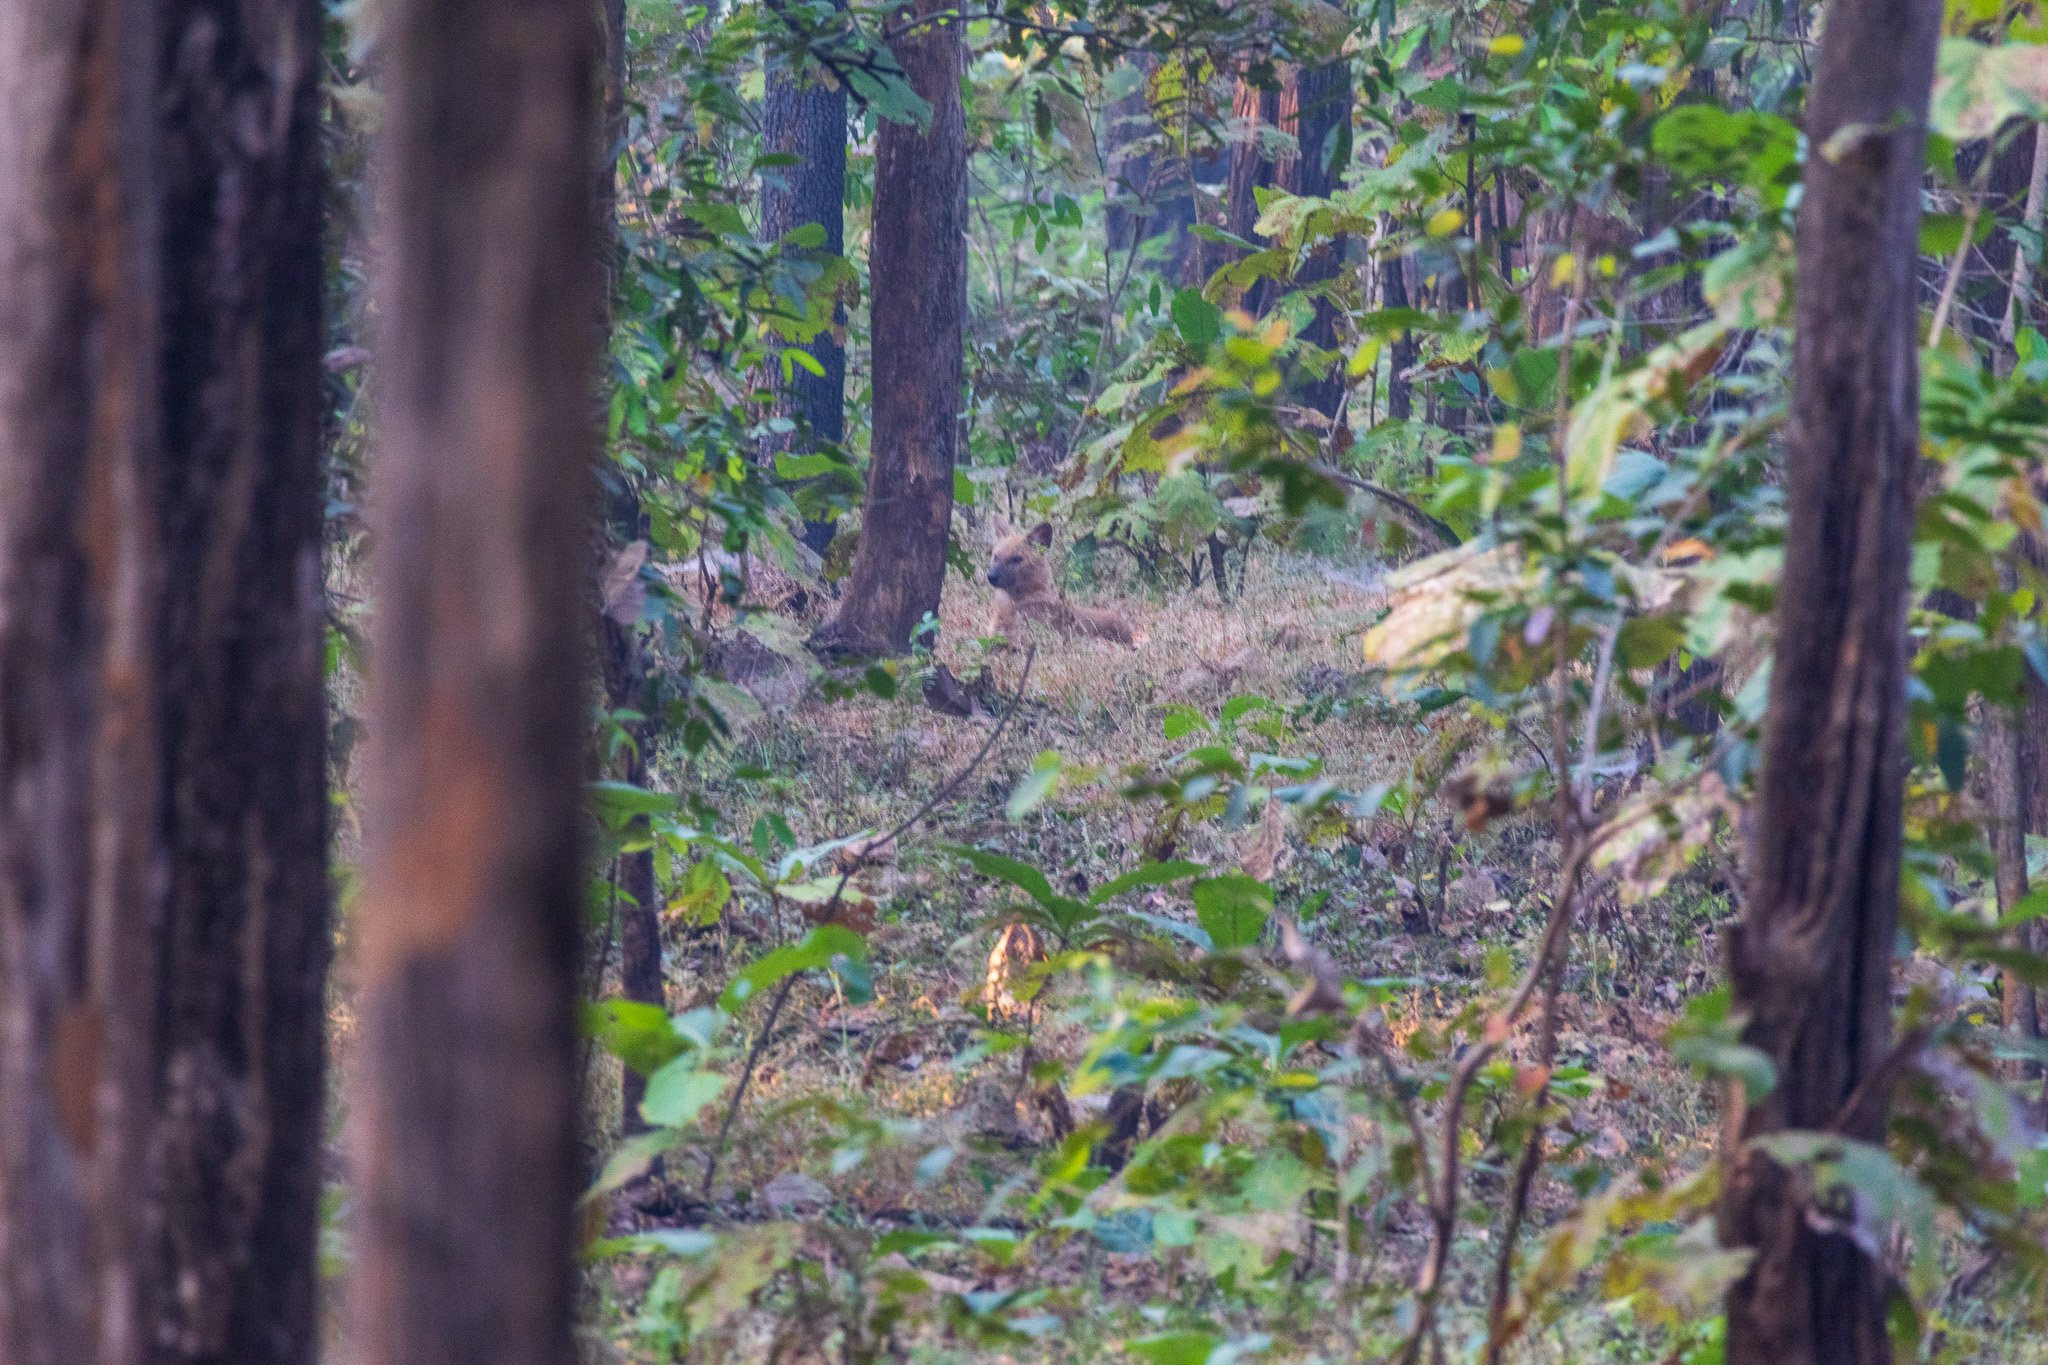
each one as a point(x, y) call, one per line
point(838, 768)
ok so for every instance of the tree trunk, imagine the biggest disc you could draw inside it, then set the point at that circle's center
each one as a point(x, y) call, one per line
point(242, 639)
point(1402, 354)
point(805, 117)
point(80, 866)
point(622, 660)
point(2007, 780)
point(472, 907)
point(1323, 126)
point(163, 892)
point(1811, 958)
point(918, 279)
point(1250, 170)
point(1151, 191)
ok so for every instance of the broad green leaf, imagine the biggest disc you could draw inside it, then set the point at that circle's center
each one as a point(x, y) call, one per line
point(1199, 321)
point(1174, 1348)
point(678, 1092)
point(1233, 909)
point(828, 945)
point(638, 1034)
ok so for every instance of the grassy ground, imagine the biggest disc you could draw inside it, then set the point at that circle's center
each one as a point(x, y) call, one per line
point(1416, 899)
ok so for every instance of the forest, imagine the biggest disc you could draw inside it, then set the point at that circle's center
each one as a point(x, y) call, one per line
point(1176, 681)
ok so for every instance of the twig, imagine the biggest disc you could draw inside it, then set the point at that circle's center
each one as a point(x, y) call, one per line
point(951, 784)
point(931, 803)
point(1955, 276)
point(2028, 252)
point(1497, 1324)
point(1429, 1281)
point(739, 1092)
point(1446, 537)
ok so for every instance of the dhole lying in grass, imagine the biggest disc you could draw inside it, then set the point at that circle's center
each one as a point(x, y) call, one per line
point(1022, 577)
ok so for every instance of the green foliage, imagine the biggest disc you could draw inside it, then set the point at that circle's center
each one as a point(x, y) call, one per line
point(1598, 386)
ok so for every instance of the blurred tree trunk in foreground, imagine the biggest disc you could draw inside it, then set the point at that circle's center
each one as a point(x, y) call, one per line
point(163, 888)
point(472, 908)
point(1811, 957)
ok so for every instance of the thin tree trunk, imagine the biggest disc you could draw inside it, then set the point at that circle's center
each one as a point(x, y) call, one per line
point(1323, 127)
point(246, 937)
point(2007, 783)
point(1811, 958)
point(918, 279)
point(2019, 740)
point(80, 869)
point(622, 660)
point(472, 910)
point(1402, 354)
point(805, 117)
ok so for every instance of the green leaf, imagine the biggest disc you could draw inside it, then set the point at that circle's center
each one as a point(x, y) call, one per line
point(618, 803)
point(1941, 234)
point(805, 236)
point(1748, 1066)
point(678, 1092)
point(1233, 909)
point(1174, 1348)
point(827, 946)
point(1703, 141)
point(1649, 640)
point(1200, 322)
point(1023, 876)
point(632, 1158)
point(1161, 874)
point(795, 467)
point(1042, 781)
point(637, 1033)
point(1952, 754)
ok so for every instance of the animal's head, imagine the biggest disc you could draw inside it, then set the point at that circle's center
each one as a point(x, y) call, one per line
point(1018, 564)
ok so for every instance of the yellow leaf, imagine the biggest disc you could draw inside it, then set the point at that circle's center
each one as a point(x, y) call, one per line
point(1507, 45)
point(1507, 443)
point(1364, 360)
point(1686, 551)
point(1562, 270)
point(1444, 222)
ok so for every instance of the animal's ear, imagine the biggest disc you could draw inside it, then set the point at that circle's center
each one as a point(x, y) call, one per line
point(1000, 526)
point(1041, 535)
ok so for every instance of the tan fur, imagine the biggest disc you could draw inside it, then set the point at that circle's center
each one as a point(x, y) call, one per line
point(1022, 578)
point(1017, 949)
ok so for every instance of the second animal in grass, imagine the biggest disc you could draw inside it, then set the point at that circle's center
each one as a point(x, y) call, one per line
point(1022, 577)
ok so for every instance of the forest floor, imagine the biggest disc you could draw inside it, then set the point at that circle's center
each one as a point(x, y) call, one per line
point(1417, 899)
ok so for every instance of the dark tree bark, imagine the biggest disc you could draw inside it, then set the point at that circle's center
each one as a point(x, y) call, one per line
point(918, 280)
point(1151, 191)
point(80, 866)
point(622, 659)
point(1811, 958)
point(163, 890)
point(1322, 126)
point(1402, 354)
point(804, 116)
point(244, 810)
point(472, 908)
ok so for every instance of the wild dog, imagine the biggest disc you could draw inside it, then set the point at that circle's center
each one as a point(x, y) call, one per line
point(1022, 577)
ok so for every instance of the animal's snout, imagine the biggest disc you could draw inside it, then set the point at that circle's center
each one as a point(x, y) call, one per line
point(995, 578)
